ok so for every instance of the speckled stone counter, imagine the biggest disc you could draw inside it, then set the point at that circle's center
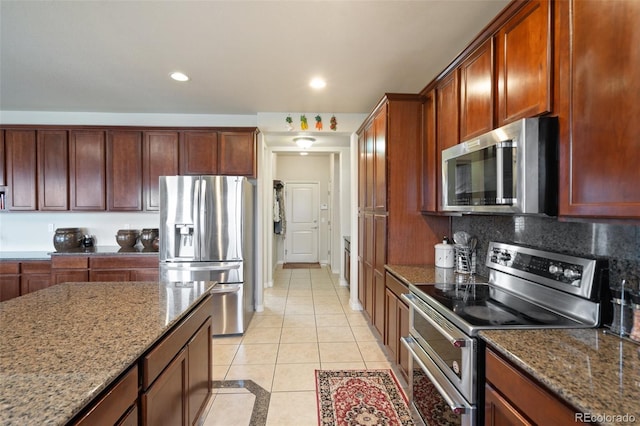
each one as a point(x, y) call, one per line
point(61, 346)
point(595, 372)
point(97, 250)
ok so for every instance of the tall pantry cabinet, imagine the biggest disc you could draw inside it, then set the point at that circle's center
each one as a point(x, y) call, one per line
point(391, 228)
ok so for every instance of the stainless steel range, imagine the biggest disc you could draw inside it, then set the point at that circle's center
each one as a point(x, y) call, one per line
point(526, 289)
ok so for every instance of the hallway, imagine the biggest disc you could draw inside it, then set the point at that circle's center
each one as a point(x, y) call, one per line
point(266, 377)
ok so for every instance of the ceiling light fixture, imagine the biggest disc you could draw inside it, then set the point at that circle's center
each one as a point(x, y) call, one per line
point(178, 76)
point(318, 83)
point(304, 142)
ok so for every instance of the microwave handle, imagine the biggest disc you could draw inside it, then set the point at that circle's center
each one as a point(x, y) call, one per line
point(500, 147)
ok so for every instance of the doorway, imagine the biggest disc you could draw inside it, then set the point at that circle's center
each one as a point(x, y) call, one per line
point(302, 206)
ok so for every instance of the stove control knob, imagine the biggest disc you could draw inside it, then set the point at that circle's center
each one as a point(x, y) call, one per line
point(571, 274)
point(555, 270)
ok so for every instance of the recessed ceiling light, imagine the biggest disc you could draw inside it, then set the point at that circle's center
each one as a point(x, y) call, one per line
point(318, 83)
point(304, 153)
point(178, 76)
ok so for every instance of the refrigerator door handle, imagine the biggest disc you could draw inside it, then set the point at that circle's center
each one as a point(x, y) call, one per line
point(204, 268)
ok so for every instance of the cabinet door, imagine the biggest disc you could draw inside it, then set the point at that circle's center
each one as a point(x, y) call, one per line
point(237, 154)
point(160, 154)
point(144, 274)
point(430, 156)
point(165, 403)
point(87, 164)
point(447, 115)
point(362, 174)
point(3, 180)
point(498, 411)
point(380, 243)
point(200, 371)
point(124, 170)
point(380, 160)
point(199, 153)
point(361, 267)
point(21, 169)
point(524, 58)
point(391, 337)
point(9, 287)
point(35, 275)
point(53, 170)
point(476, 92)
point(369, 164)
point(69, 276)
point(599, 88)
point(369, 265)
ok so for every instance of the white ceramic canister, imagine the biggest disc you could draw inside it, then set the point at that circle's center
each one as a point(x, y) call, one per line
point(444, 255)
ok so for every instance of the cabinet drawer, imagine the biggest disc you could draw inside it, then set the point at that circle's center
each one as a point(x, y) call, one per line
point(162, 354)
point(36, 267)
point(115, 403)
point(123, 262)
point(70, 262)
point(9, 268)
point(395, 285)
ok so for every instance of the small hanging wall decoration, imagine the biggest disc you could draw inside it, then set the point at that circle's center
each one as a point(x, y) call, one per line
point(333, 124)
point(303, 122)
point(318, 122)
point(289, 121)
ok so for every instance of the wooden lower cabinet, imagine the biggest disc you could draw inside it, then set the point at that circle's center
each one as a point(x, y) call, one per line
point(123, 268)
point(165, 403)
point(9, 280)
point(514, 398)
point(35, 275)
point(118, 406)
point(200, 371)
point(68, 268)
point(397, 322)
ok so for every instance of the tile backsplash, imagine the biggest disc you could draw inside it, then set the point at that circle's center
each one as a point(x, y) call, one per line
point(619, 244)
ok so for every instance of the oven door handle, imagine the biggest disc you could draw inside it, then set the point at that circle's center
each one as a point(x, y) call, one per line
point(412, 346)
point(415, 303)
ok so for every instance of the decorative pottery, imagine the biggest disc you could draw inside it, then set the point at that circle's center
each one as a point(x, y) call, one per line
point(127, 238)
point(147, 236)
point(65, 239)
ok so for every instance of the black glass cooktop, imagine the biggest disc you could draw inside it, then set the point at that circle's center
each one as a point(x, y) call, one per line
point(483, 306)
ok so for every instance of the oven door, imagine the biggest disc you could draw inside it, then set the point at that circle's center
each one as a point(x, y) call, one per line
point(432, 395)
point(454, 352)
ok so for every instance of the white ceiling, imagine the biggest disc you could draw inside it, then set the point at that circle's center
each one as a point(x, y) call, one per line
point(243, 57)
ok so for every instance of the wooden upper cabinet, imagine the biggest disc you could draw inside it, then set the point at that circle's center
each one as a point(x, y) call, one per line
point(87, 165)
point(524, 63)
point(430, 166)
point(369, 149)
point(160, 158)
point(362, 175)
point(3, 180)
point(380, 159)
point(21, 153)
point(447, 111)
point(199, 152)
point(124, 170)
point(476, 92)
point(53, 170)
point(599, 87)
point(237, 153)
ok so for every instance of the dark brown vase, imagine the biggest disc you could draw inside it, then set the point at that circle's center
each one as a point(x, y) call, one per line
point(66, 239)
point(147, 236)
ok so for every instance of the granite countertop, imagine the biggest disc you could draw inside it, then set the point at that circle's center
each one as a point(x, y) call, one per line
point(429, 274)
point(597, 373)
point(61, 346)
point(90, 251)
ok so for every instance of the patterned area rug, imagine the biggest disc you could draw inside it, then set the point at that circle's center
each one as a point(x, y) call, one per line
point(360, 398)
point(300, 266)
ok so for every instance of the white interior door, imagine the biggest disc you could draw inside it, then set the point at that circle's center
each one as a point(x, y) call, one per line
point(301, 236)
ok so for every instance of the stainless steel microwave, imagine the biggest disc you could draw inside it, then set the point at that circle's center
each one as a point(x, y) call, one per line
point(512, 169)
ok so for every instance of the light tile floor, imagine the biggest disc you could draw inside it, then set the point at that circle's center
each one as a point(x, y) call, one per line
point(307, 324)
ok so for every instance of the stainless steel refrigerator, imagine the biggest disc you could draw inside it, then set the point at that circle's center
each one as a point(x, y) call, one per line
point(207, 234)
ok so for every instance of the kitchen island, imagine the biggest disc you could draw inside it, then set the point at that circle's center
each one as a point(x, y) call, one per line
point(63, 348)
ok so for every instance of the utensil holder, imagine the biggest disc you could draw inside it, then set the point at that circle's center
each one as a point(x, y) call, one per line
point(465, 259)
